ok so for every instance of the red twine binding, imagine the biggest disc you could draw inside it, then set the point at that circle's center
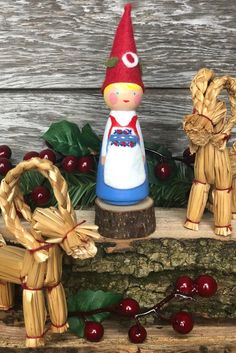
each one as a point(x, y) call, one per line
point(37, 337)
point(195, 181)
point(204, 116)
point(227, 189)
point(228, 227)
point(59, 326)
point(66, 235)
point(48, 246)
point(189, 220)
point(24, 286)
point(43, 334)
point(43, 247)
point(227, 137)
point(49, 288)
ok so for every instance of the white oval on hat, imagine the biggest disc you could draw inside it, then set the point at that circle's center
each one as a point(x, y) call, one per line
point(126, 60)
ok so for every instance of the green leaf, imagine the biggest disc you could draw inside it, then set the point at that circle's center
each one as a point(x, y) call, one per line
point(111, 62)
point(76, 193)
point(151, 175)
point(90, 139)
point(81, 189)
point(175, 190)
point(65, 137)
point(88, 300)
point(76, 325)
point(29, 180)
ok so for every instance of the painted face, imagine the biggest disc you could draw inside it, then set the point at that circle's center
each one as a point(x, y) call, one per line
point(123, 96)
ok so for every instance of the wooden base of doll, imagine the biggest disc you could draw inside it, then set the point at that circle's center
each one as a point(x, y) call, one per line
point(125, 222)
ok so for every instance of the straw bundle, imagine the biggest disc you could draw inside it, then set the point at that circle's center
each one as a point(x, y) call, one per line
point(61, 228)
point(232, 157)
point(6, 295)
point(209, 129)
point(198, 128)
point(40, 266)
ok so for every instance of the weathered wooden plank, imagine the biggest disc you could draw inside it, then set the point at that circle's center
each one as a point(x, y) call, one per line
point(213, 338)
point(60, 43)
point(24, 116)
point(169, 224)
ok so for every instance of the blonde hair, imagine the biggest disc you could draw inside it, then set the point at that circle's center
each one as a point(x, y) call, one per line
point(128, 85)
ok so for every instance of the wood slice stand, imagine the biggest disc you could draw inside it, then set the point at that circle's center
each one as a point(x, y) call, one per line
point(125, 222)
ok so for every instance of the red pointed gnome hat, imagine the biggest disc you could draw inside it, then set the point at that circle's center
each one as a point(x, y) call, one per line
point(123, 64)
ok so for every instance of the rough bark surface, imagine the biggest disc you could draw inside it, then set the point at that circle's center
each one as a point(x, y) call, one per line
point(147, 268)
point(125, 222)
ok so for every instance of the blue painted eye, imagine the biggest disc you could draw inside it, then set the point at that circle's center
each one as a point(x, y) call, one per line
point(117, 92)
point(134, 93)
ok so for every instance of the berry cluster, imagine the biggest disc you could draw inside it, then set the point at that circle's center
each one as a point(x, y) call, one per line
point(164, 173)
point(182, 322)
point(163, 170)
point(5, 163)
point(40, 195)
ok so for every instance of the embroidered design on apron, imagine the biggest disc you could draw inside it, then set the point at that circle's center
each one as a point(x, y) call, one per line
point(124, 165)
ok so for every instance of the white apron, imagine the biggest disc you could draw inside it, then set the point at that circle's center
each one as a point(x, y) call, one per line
point(124, 166)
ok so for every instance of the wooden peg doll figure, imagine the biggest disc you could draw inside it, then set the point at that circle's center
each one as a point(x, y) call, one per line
point(122, 171)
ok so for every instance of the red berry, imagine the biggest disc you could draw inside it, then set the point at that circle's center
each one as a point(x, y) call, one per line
point(206, 286)
point(30, 155)
point(70, 163)
point(5, 152)
point(40, 195)
point(48, 154)
point(182, 322)
point(137, 334)
point(93, 331)
point(5, 166)
point(128, 307)
point(184, 285)
point(85, 164)
point(188, 157)
point(163, 171)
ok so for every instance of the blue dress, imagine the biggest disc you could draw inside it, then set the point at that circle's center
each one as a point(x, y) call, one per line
point(122, 179)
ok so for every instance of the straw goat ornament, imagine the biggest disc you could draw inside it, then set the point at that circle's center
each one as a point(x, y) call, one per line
point(38, 267)
point(208, 129)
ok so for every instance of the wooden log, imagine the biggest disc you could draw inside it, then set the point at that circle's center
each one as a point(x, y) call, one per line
point(147, 268)
point(210, 337)
point(119, 222)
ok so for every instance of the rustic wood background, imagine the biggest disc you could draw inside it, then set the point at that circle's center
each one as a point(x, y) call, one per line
point(52, 55)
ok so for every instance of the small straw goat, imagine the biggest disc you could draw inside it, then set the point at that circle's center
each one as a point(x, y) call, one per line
point(208, 129)
point(38, 267)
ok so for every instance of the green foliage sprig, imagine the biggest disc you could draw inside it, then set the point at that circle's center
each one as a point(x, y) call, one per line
point(66, 138)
